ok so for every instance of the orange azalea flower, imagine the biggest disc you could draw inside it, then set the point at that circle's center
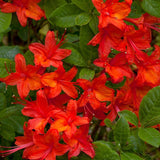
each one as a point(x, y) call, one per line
point(112, 12)
point(89, 112)
point(49, 54)
point(148, 68)
point(60, 80)
point(146, 20)
point(107, 38)
point(128, 98)
point(80, 141)
point(116, 67)
point(24, 9)
point(68, 121)
point(133, 41)
point(136, 92)
point(120, 102)
point(26, 77)
point(47, 146)
point(22, 142)
point(40, 111)
point(95, 92)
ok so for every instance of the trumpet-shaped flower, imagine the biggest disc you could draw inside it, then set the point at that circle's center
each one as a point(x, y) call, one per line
point(80, 141)
point(107, 38)
point(112, 12)
point(60, 80)
point(148, 68)
point(23, 142)
point(24, 9)
point(47, 146)
point(49, 54)
point(26, 77)
point(116, 67)
point(40, 111)
point(95, 92)
point(68, 121)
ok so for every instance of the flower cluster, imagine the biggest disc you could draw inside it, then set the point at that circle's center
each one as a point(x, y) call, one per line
point(132, 61)
point(63, 109)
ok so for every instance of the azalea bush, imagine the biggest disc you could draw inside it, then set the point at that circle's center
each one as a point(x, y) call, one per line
point(79, 79)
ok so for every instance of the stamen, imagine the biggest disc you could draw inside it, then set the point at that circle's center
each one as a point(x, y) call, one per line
point(62, 39)
point(154, 27)
point(133, 45)
point(6, 67)
point(46, 153)
point(19, 100)
point(88, 110)
point(14, 149)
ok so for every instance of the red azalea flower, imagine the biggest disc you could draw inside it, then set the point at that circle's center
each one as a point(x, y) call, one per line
point(22, 142)
point(24, 9)
point(107, 38)
point(40, 110)
point(60, 80)
point(80, 141)
point(148, 68)
point(49, 54)
point(89, 112)
point(128, 98)
point(26, 77)
point(116, 67)
point(146, 20)
point(47, 146)
point(134, 41)
point(68, 121)
point(120, 102)
point(95, 92)
point(112, 12)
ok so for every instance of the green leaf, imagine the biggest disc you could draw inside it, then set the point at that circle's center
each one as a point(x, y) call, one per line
point(81, 156)
point(135, 143)
point(136, 10)
point(93, 24)
point(88, 52)
point(5, 21)
point(9, 52)
point(23, 33)
point(29, 57)
point(150, 136)
point(15, 121)
point(71, 38)
point(115, 85)
point(86, 73)
point(3, 101)
point(75, 58)
point(108, 122)
point(121, 131)
point(85, 5)
point(65, 15)
point(9, 64)
point(3, 87)
point(7, 132)
point(152, 7)
point(149, 112)
point(130, 156)
point(5, 113)
point(104, 152)
point(129, 116)
point(64, 157)
point(83, 19)
point(50, 6)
